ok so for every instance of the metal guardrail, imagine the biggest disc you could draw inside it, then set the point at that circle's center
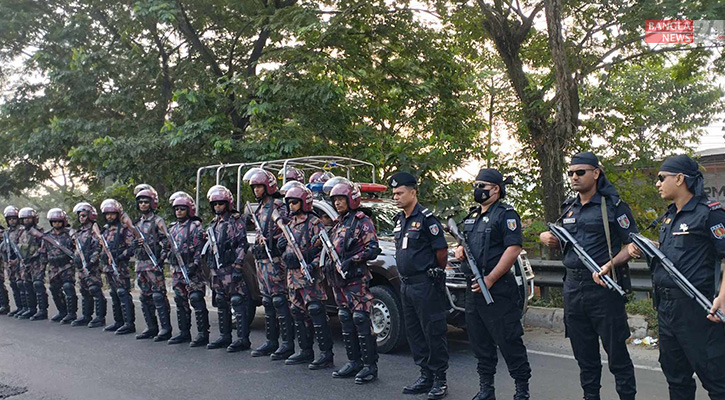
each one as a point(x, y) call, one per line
point(550, 273)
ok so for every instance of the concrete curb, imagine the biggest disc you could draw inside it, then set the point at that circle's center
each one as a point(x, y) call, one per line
point(553, 318)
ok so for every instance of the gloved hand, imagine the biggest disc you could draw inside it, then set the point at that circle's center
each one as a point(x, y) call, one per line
point(347, 264)
point(237, 275)
point(191, 269)
point(291, 261)
point(282, 244)
point(311, 253)
point(259, 252)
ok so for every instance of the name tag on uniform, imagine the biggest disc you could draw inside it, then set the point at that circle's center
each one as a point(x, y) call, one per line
point(680, 233)
point(469, 221)
point(405, 242)
point(569, 220)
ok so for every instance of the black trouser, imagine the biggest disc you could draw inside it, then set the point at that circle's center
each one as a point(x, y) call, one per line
point(592, 312)
point(497, 325)
point(689, 343)
point(424, 310)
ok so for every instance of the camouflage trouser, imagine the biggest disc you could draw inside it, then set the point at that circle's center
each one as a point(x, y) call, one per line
point(35, 273)
point(222, 283)
point(2, 271)
point(124, 278)
point(301, 297)
point(272, 277)
point(93, 279)
point(182, 290)
point(151, 281)
point(59, 275)
point(14, 273)
point(355, 296)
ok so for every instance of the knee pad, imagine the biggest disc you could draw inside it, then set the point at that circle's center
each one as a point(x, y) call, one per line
point(315, 308)
point(196, 297)
point(344, 314)
point(237, 300)
point(267, 303)
point(221, 301)
point(69, 288)
point(361, 318)
point(279, 301)
point(122, 292)
point(158, 298)
point(95, 291)
point(39, 286)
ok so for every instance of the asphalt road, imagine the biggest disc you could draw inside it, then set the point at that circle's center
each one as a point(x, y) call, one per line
point(45, 360)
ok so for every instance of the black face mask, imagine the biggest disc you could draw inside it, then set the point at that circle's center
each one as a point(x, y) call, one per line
point(28, 226)
point(480, 195)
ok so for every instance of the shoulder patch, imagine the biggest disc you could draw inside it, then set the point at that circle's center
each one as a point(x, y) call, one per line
point(718, 231)
point(434, 230)
point(623, 221)
point(511, 224)
point(714, 205)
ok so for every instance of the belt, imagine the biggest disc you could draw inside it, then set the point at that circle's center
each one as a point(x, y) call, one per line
point(417, 277)
point(666, 293)
point(578, 274)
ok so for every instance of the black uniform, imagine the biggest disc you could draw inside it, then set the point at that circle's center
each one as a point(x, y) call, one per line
point(592, 311)
point(417, 238)
point(694, 240)
point(497, 324)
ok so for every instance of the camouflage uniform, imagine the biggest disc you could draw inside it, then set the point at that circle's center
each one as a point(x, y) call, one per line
point(355, 240)
point(32, 273)
point(61, 275)
point(11, 261)
point(189, 237)
point(90, 278)
point(150, 278)
point(227, 280)
point(272, 279)
point(120, 244)
point(4, 299)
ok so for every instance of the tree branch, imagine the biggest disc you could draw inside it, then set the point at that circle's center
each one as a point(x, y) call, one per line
point(647, 53)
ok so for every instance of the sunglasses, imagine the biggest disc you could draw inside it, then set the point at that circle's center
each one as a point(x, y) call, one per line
point(661, 177)
point(480, 185)
point(293, 201)
point(218, 203)
point(579, 172)
point(177, 208)
point(144, 202)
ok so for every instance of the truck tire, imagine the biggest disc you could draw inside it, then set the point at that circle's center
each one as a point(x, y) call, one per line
point(387, 319)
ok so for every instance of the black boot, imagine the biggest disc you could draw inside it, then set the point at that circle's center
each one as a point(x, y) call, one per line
point(421, 385)
point(202, 319)
point(56, 292)
point(354, 364)
point(286, 329)
point(164, 311)
point(152, 326)
point(487, 391)
point(4, 299)
point(129, 312)
point(304, 334)
point(183, 318)
point(225, 328)
point(16, 298)
point(592, 396)
point(440, 386)
point(101, 307)
point(23, 305)
point(271, 330)
point(241, 311)
point(42, 297)
point(323, 336)
point(30, 301)
point(369, 350)
point(86, 311)
point(117, 313)
point(522, 390)
point(71, 303)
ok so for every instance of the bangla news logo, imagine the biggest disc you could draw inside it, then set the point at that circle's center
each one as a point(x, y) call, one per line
point(685, 31)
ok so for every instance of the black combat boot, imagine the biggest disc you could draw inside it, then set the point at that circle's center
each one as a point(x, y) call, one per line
point(163, 309)
point(271, 331)
point(304, 338)
point(354, 364)
point(202, 319)
point(71, 303)
point(591, 396)
point(129, 313)
point(522, 390)
point(101, 307)
point(286, 329)
point(86, 311)
point(323, 336)
point(4, 299)
point(422, 384)
point(42, 298)
point(152, 325)
point(369, 350)
point(57, 294)
point(30, 301)
point(225, 329)
point(241, 311)
point(16, 298)
point(117, 313)
point(183, 318)
point(440, 386)
point(487, 391)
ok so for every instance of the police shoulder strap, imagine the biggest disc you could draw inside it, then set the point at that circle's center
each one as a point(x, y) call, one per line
point(427, 213)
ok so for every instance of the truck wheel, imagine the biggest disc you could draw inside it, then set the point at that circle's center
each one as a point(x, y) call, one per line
point(387, 319)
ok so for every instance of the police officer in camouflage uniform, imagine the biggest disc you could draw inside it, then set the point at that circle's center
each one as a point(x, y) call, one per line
point(120, 245)
point(355, 240)
point(493, 233)
point(692, 236)
point(271, 274)
point(33, 271)
point(11, 259)
point(292, 174)
point(188, 235)
point(591, 311)
point(421, 253)
point(91, 286)
point(150, 277)
point(306, 298)
point(226, 262)
point(61, 271)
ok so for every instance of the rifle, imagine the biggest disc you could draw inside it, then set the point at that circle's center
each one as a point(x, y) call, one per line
point(44, 236)
point(258, 228)
point(287, 232)
point(330, 249)
point(565, 238)
point(214, 247)
point(126, 220)
point(6, 238)
point(15, 249)
point(653, 253)
point(177, 253)
point(79, 250)
point(453, 230)
point(107, 250)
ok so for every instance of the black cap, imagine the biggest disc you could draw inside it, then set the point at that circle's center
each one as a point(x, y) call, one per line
point(402, 179)
point(585, 158)
point(683, 164)
point(492, 175)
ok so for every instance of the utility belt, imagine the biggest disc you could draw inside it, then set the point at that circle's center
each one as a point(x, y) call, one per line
point(435, 275)
point(664, 293)
point(579, 275)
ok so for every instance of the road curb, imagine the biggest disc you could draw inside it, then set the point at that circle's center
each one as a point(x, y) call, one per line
point(553, 318)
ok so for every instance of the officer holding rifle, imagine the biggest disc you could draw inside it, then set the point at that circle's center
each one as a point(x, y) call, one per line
point(591, 311)
point(692, 237)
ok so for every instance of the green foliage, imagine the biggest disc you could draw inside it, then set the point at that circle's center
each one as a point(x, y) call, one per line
point(644, 307)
